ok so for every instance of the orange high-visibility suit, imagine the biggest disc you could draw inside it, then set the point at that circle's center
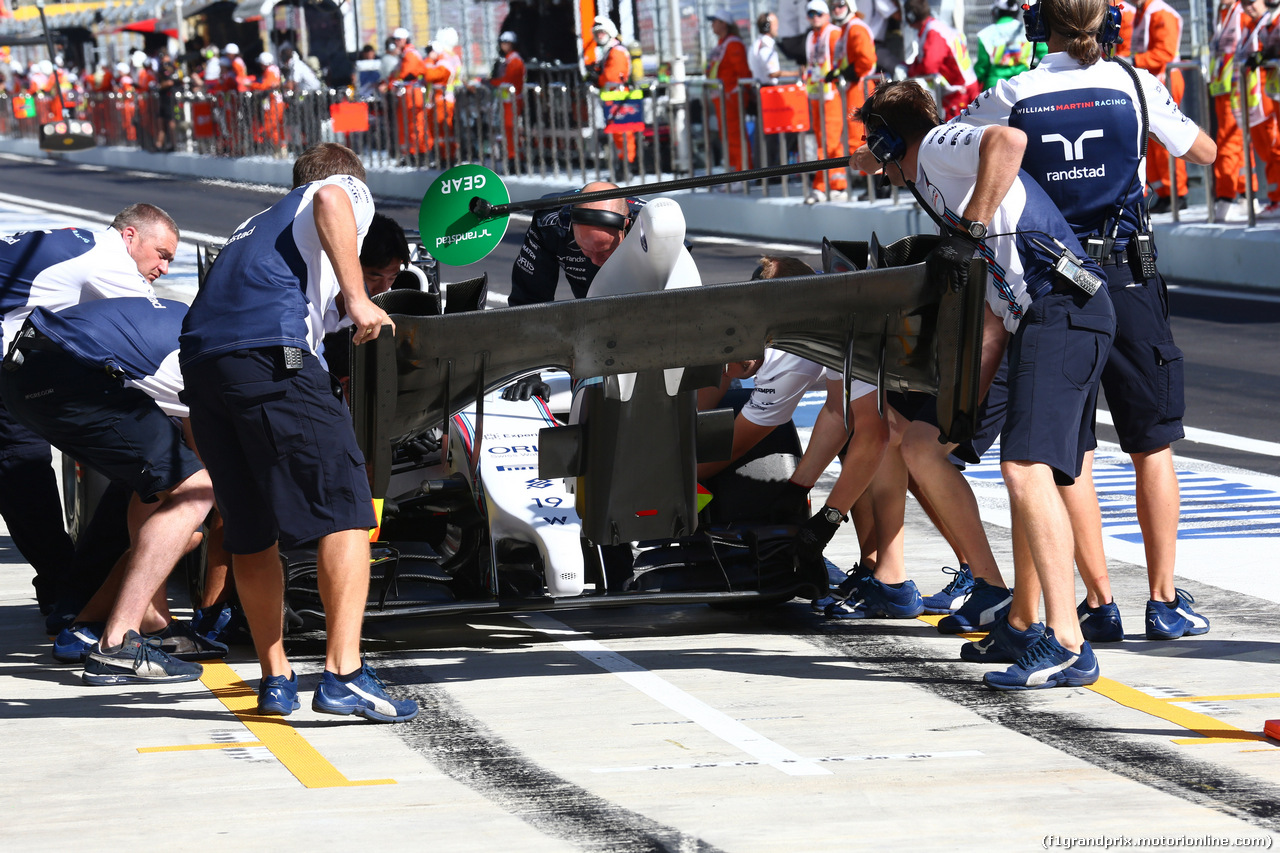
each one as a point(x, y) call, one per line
point(1228, 168)
point(615, 71)
point(1260, 111)
point(510, 73)
point(1157, 33)
point(856, 59)
point(824, 103)
point(1127, 13)
point(411, 114)
point(271, 130)
point(443, 102)
point(728, 64)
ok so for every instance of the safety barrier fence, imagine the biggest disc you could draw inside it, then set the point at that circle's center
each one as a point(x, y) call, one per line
point(558, 127)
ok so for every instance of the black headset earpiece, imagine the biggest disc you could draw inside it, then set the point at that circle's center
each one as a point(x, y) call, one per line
point(886, 145)
point(595, 216)
point(1110, 32)
point(1034, 23)
point(762, 23)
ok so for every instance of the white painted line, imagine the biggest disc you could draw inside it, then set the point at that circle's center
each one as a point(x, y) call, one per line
point(900, 756)
point(764, 247)
point(90, 167)
point(1219, 439)
point(94, 216)
point(1245, 295)
point(717, 723)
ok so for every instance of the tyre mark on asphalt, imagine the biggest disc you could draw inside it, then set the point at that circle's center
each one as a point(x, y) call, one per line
point(1244, 797)
point(462, 748)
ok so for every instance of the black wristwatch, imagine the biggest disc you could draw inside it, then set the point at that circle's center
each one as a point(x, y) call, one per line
point(976, 230)
point(832, 515)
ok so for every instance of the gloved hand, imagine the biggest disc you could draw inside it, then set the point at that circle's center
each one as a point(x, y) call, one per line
point(524, 389)
point(1254, 61)
point(832, 75)
point(850, 75)
point(953, 255)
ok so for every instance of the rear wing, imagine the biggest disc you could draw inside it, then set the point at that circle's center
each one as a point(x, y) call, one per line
point(902, 328)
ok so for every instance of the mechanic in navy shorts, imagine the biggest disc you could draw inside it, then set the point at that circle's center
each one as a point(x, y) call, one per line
point(100, 382)
point(1042, 290)
point(1086, 121)
point(272, 427)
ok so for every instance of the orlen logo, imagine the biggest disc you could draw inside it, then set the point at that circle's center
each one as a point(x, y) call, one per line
point(1072, 150)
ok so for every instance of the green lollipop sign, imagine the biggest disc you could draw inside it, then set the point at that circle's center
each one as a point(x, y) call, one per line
point(450, 231)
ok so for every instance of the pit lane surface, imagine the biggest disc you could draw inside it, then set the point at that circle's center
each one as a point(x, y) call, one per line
point(689, 728)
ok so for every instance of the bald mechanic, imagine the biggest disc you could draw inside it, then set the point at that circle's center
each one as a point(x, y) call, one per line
point(575, 238)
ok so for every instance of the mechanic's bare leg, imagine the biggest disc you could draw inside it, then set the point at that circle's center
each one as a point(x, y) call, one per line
point(343, 566)
point(937, 520)
point(98, 609)
point(1081, 500)
point(163, 532)
point(1025, 608)
point(218, 582)
point(1034, 497)
point(828, 436)
point(866, 449)
point(864, 524)
point(260, 580)
point(950, 495)
point(888, 490)
point(1158, 511)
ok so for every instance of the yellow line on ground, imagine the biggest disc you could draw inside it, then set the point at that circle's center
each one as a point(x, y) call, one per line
point(300, 758)
point(934, 620)
point(1223, 698)
point(198, 746)
point(1210, 730)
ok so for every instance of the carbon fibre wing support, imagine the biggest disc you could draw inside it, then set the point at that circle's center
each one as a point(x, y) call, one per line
point(901, 328)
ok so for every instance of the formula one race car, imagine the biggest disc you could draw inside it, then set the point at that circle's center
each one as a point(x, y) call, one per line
point(589, 497)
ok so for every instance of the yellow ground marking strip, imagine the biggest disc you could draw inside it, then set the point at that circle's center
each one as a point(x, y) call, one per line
point(292, 750)
point(934, 620)
point(1223, 698)
point(196, 746)
point(1209, 729)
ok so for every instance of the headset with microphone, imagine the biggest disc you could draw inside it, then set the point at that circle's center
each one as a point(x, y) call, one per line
point(1037, 31)
point(597, 217)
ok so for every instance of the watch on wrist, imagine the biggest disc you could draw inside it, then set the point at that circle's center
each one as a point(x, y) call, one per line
point(976, 230)
point(832, 515)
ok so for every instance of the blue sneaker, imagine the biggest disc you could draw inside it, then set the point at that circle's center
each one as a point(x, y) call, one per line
point(985, 604)
point(1170, 620)
point(365, 696)
point(73, 644)
point(846, 586)
point(222, 623)
point(138, 660)
point(1003, 643)
point(1047, 664)
point(1100, 624)
point(953, 594)
point(278, 696)
point(875, 600)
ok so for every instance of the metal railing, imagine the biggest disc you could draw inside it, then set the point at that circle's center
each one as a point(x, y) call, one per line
point(558, 127)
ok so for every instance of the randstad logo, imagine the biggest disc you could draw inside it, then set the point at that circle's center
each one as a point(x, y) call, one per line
point(1072, 150)
point(450, 239)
